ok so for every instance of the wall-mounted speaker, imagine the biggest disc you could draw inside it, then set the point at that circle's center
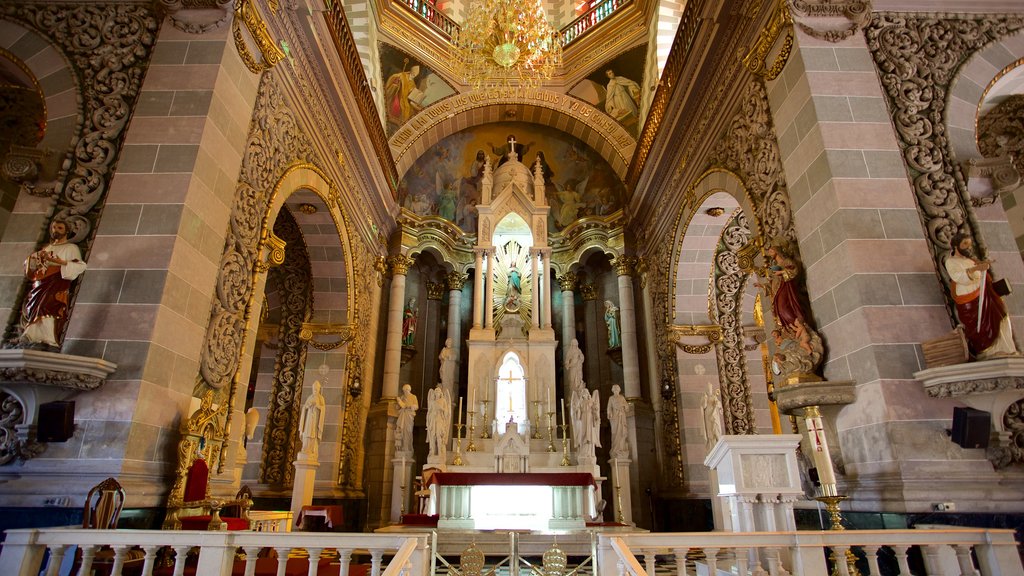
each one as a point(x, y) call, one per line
point(56, 422)
point(971, 427)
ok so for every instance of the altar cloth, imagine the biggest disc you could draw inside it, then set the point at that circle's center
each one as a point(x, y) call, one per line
point(513, 479)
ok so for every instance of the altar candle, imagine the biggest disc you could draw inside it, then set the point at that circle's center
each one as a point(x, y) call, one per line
point(460, 415)
point(563, 411)
point(822, 457)
point(549, 397)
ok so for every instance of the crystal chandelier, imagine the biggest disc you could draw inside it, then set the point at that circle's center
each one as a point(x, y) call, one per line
point(503, 41)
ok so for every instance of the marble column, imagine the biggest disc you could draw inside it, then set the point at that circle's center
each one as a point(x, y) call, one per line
point(535, 315)
point(624, 267)
point(456, 280)
point(567, 282)
point(546, 287)
point(478, 290)
point(489, 290)
point(399, 266)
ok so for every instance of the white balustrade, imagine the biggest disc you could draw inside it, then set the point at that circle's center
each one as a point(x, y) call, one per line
point(24, 551)
point(804, 553)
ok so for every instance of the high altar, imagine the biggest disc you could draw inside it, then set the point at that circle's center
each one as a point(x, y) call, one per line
point(512, 441)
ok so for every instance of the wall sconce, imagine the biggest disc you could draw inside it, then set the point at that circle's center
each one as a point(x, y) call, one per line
point(355, 387)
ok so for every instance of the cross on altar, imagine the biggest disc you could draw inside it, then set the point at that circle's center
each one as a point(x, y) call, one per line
point(512, 143)
point(817, 433)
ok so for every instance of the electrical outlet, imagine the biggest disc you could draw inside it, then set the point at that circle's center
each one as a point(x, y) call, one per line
point(58, 501)
point(944, 507)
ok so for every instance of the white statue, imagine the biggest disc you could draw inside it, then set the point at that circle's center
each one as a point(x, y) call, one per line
point(439, 420)
point(711, 408)
point(408, 404)
point(618, 411)
point(449, 368)
point(311, 423)
point(586, 421)
point(574, 366)
point(252, 420)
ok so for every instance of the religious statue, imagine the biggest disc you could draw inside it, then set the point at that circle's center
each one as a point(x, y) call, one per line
point(408, 404)
point(711, 408)
point(782, 271)
point(252, 420)
point(51, 271)
point(979, 307)
point(514, 289)
point(449, 367)
point(409, 323)
point(585, 409)
point(439, 420)
point(573, 365)
point(798, 353)
point(311, 423)
point(618, 411)
point(611, 319)
point(799, 350)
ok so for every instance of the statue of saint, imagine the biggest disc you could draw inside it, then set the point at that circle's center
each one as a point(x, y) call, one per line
point(573, 364)
point(979, 307)
point(408, 404)
point(711, 408)
point(611, 319)
point(618, 412)
point(449, 367)
point(51, 271)
point(439, 421)
point(409, 323)
point(311, 423)
point(514, 289)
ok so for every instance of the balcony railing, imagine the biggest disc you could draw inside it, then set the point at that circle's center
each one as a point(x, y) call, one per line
point(590, 19)
point(437, 19)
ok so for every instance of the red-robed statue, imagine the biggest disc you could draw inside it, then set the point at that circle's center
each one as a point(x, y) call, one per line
point(979, 308)
point(51, 271)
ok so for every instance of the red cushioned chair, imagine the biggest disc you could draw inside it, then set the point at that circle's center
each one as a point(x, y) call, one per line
point(190, 505)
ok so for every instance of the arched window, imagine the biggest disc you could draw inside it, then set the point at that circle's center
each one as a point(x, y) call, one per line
point(510, 396)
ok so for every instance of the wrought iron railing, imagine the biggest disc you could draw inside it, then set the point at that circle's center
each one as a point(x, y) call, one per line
point(589, 19)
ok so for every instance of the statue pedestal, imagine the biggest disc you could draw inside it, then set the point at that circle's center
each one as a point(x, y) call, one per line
point(796, 396)
point(757, 481)
point(401, 485)
point(623, 505)
point(305, 480)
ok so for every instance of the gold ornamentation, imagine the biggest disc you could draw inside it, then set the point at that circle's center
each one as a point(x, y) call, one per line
point(310, 330)
point(307, 208)
point(568, 281)
point(625, 265)
point(455, 280)
point(275, 252)
point(588, 292)
point(758, 55)
point(856, 12)
point(400, 264)
point(435, 290)
point(246, 12)
point(715, 211)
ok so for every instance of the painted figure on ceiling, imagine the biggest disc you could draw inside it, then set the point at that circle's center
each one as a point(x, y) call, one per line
point(401, 96)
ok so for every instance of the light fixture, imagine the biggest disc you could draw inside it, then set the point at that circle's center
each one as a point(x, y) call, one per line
point(505, 42)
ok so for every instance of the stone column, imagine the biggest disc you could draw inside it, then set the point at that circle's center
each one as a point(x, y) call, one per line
point(489, 290)
point(456, 280)
point(567, 282)
point(478, 290)
point(546, 287)
point(535, 315)
point(399, 266)
point(624, 267)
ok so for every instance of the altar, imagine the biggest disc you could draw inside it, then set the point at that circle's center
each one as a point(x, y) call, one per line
point(489, 501)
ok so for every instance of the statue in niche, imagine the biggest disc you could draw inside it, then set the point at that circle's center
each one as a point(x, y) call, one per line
point(979, 304)
point(618, 413)
point(311, 423)
point(409, 323)
point(51, 270)
point(439, 421)
point(611, 319)
point(573, 365)
point(799, 348)
point(711, 409)
point(408, 404)
point(449, 366)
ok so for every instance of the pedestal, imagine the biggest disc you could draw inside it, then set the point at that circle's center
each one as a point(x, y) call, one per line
point(305, 480)
point(401, 485)
point(623, 504)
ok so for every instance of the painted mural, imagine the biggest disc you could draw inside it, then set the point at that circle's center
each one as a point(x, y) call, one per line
point(445, 181)
point(616, 87)
point(410, 86)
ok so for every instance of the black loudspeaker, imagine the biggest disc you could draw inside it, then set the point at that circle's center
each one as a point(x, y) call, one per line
point(56, 421)
point(971, 428)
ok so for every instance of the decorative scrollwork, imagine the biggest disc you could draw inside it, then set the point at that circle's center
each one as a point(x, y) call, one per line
point(12, 447)
point(854, 11)
point(1012, 450)
point(729, 280)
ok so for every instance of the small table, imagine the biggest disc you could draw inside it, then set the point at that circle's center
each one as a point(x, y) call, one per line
point(333, 518)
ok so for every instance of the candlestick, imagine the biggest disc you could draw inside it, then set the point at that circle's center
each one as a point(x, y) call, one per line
point(460, 411)
point(551, 437)
point(536, 429)
point(457, 461)
point(565, 445)
point(472, 431)
point(486, 432)
point(549, 397)
point(563, 411)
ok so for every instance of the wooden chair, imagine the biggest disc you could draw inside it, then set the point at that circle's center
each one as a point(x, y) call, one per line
point(106, 510)
point(423, 490)
point(190, 505)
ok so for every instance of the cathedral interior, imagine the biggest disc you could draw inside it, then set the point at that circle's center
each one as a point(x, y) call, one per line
point(741, 217)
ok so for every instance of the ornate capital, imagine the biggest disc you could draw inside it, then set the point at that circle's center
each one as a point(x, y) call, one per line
point(588, 292)
point(246, 13)
point(22, 163)
point(456, 280)
point(197, 16)
point(275, 252)
point(310, 330)
point(831, 20)
point(435, 290)
point(399, 264)
point(567, 281)
point(625, 265)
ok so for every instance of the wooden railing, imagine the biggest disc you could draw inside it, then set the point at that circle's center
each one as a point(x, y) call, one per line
point(26, 552)
point(589, 19)
point(429, 12)
point(947, 552)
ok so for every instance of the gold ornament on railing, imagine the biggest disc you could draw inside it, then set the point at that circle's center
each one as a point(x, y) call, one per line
point(504, 42)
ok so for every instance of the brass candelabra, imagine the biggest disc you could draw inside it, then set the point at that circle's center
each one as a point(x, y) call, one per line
point(551, 436)
point(472, 431)
point(457, 461)
point(536, 428)
point(565, 445)
point(485, 433)
point(831, 499)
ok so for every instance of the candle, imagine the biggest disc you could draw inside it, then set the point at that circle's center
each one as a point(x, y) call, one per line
point(822, 458)
point(563, 411)
point(548, 394)
point(460, 415)
point(472, 395)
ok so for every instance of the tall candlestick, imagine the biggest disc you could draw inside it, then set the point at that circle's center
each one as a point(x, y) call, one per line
point(472, 395)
